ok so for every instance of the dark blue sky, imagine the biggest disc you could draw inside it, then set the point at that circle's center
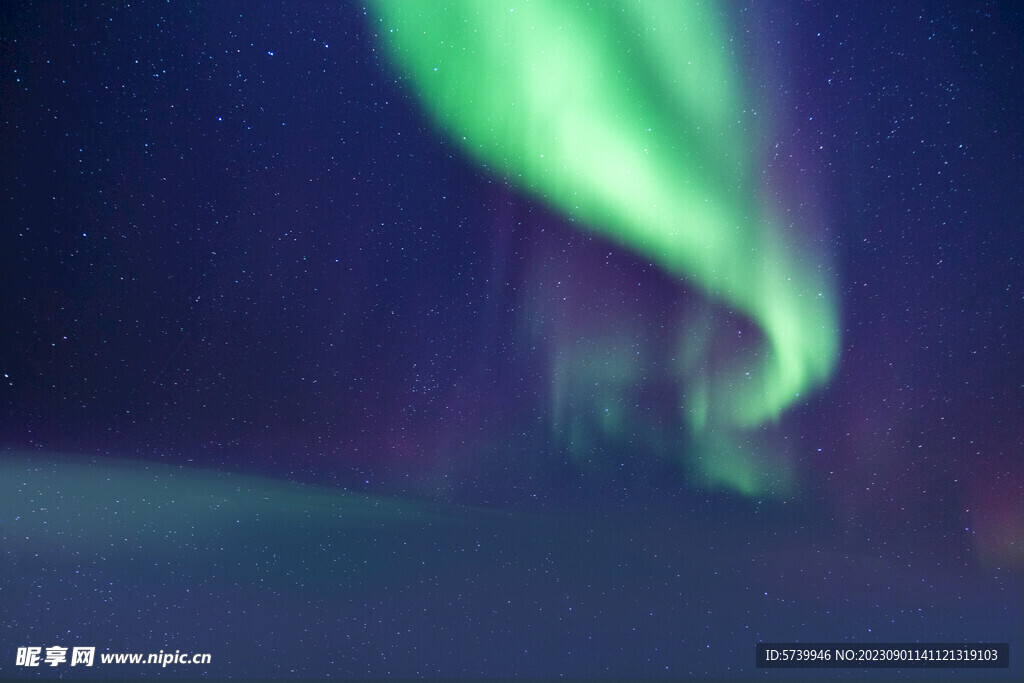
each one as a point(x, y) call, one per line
point(231, 239)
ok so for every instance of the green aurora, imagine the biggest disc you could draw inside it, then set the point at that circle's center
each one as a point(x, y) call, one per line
point(630, 119)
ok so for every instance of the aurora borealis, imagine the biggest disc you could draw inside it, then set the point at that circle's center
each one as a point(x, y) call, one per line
point(472, 339)
point(590, 108)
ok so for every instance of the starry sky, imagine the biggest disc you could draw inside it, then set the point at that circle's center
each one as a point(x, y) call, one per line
point(517, 338)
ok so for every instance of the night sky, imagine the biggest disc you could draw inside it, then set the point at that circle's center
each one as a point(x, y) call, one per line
point(510, 339)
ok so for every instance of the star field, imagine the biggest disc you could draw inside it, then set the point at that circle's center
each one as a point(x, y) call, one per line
point(310, 362)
